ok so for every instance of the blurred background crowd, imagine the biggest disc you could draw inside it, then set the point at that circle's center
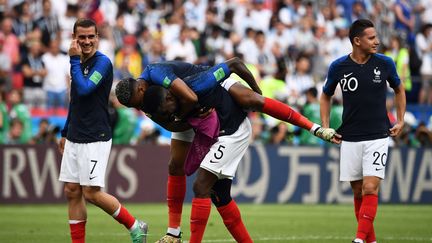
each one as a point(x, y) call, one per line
point(287, 44)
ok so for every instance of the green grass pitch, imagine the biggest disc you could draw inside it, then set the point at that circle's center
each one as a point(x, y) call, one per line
point(266, 223)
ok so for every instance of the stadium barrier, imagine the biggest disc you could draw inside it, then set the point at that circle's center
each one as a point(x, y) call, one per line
point(267, 174)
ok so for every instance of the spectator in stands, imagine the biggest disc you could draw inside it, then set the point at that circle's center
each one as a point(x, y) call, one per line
point(128, 58)
point(423, 135)
point(46, 133)
point(11, 49)
point(126, 122)
point(299, 81)
point(4, 119)
point(56, 82)
point(34, 72)
point(182, 48)
point(5, 67)
point(424, 50)
point(400, 56)
point(311, 110)
point(405, 20)
point(19, 111)
point(16, 132)
point(48, 24)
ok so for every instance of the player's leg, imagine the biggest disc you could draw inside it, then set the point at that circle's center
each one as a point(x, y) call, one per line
point(229, 211)
point(221, 161)
point(69, 174)
point(176, 185)
point(93, 160)
point(201, 204)
point(358, 199)
point(249, 99)
point(77, 211)
point(373, 169)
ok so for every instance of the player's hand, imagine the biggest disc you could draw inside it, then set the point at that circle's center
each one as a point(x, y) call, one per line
point(75, 48)
point(396, 129)
point(328, 134)
point(61, 145)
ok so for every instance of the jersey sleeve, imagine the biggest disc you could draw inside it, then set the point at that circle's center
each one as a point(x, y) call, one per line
point(159, 74)
point(330, 82)
point(85, 85)
point(393, 78)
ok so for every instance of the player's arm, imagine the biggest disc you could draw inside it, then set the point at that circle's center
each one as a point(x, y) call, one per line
point(325, 104)
point(238, 67)
point(400, 102)
point(169, 124)
point(187, 98)
point(86, 85)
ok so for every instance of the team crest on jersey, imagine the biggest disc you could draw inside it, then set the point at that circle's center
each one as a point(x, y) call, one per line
point(377, 77)
point(86, 71)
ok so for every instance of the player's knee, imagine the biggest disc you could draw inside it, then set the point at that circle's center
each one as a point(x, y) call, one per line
point(72, 191)
point(200, 190)
point(370, 188)
point(176, 168)
point(221, 193)
point(90, 194)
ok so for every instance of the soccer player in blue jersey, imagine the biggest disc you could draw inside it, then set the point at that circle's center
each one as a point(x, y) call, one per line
point(187, 82)
point(86, 136)
point(363, 76)
point(218, 166)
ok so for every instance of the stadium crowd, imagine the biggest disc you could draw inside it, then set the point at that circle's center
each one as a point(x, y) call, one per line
point(287, 44)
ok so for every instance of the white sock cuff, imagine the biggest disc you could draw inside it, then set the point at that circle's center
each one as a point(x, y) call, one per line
point(72, 221)
point(174, 231)
point(314, 127)
point(135, 224)
point(117, 212)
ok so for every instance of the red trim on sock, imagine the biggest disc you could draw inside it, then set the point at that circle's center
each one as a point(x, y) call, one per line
point(176, 190)
point(125, 218)
point(199, 216)
point(284, 112)
point(77, 232)
point(231, 216)
point(367, 215)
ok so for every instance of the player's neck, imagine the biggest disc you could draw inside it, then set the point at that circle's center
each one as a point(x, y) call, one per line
point(359, 57)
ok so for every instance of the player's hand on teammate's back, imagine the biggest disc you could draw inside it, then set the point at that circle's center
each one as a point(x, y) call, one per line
point(75, 48)
point(396, 129)
point(61, 145)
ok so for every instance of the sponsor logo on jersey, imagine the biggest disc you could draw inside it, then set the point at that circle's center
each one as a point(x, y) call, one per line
point(96, 77)
point(377, 77)
point(347, 75)
point(86, 71)
point(219, 74)
point(166, 82)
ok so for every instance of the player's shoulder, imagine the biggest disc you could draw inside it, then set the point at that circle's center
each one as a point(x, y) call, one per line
point(102, 57)
point(339, 61)
point(383, 58)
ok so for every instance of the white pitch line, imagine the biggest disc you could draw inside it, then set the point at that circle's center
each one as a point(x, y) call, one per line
point(318, 237)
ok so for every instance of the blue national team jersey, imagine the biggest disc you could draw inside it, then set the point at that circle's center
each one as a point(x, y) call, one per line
point(88, 119)
point(201, 79)
point(230, 114)
point(364, 90)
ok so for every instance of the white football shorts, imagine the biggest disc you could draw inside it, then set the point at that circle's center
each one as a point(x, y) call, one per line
point(364, 158)
point(225, 155)
point(85, 163)
point(187, 136)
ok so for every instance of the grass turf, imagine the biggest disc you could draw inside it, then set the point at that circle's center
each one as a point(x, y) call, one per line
point(266, 223)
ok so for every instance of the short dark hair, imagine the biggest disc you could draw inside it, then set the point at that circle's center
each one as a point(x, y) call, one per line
point(154, 96)
point(357, 28)
point(85, 23)
point(124, 90)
